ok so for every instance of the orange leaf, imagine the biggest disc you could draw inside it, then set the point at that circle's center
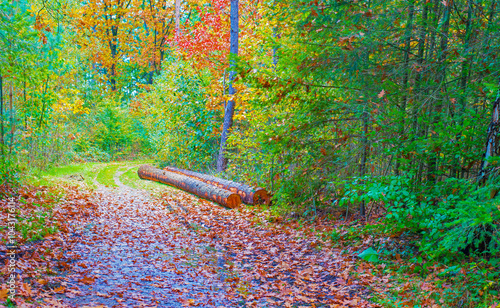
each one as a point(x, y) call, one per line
point(87, 280)
point(42, 281)
point(60, 289)
point(4, 293)
point(27, 289)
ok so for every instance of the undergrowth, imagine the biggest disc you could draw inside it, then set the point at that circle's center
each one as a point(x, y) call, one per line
point(440, 244)
point(33, 213)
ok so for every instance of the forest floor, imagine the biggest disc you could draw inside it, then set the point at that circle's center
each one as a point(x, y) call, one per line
point(126, 242)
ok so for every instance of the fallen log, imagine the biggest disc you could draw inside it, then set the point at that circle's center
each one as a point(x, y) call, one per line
point(189, 184)
point(248, 194)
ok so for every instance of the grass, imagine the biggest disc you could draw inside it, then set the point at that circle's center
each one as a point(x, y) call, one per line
point(129, 177)
point(106, 175)
point(74, 174)
point(92, 175)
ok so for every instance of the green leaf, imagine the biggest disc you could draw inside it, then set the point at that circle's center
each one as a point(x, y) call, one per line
point(370, 255)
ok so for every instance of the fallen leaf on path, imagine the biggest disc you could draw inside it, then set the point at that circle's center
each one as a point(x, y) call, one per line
point(4, 293)
point(60, 289)
point(87, 280)
point(103, 295)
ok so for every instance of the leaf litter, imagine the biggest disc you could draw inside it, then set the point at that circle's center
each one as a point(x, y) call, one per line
point(126, 248)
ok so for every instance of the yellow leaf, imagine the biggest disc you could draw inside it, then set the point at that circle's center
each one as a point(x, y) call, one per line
point(4, 293)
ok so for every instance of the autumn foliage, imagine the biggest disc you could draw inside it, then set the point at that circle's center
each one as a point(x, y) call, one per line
point(353, 111)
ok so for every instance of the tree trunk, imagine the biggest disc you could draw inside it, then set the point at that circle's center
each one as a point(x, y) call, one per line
point(177, 16)
point(364, 157)
point(191, 185)
point(11, 120)
point(432, 173)
point(229, 111)
point(464, 75)
point(417, 129)
point(406, 70)
point(43, 103)
point(492, 148)
point(248, 194)
point(112, 33)
point(275, 49)
point(25, 104)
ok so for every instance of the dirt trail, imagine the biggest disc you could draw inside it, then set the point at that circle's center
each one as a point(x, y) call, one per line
point(178, 250)
point(138, 254)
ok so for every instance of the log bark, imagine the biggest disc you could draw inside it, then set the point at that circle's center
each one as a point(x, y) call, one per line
point(248, 194)
point(218, 195)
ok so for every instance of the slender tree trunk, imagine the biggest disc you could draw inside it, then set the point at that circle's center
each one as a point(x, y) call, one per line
point(418, 84)
point(436, 9)
point(177, 16)
point(224, 88)
point(492, 147)
point(25, 104)
point(406, 70)
point(467, 57)
point(457, 166)
point(113, 46)
point(43, 103)
point(364, 156)
point(12, 124)
point(112, 75)
point(275, 48)
point(441, 72)
point(229, 111)
point(421, 45)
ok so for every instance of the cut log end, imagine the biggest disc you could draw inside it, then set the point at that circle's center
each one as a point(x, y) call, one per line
point(261, 197)
point(233, 201)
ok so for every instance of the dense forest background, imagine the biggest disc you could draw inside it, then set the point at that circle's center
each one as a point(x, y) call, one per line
point(352, 105)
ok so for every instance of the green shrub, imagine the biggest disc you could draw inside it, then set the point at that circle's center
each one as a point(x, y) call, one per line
point(93, 154)
point(9, 173)
point(451, 216)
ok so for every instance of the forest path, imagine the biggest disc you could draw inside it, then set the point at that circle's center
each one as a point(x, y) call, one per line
point(150, 245)
point(138, 254)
